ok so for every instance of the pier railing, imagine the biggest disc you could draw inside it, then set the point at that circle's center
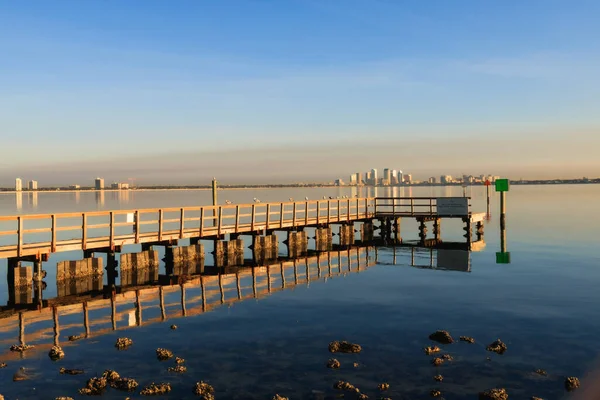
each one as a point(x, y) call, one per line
point(31, 235)
point(409, 206)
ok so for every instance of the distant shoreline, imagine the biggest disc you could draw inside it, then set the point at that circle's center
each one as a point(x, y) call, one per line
point(290, 186)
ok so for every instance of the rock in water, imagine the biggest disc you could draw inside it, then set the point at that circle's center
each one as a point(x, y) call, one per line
point(333, 363)
point(429, 350)
point(467, 339)
point(180, 369)
point(204, 390)
point(173, 327)
point(343, 385)
point(435, 393)
point(94, 387)
point(497, 347)
point(541, 372)
point(3, 365)
point(61, 398)
point(383, 386)
point(494, 394)
point(447, 357)
point(156, 389)
point(56, 353)
point(344, 347)
point(20, 375)
point(571, 383)
point(442, 337)
point(73, 338)
point(438, 378)
point(123, 343)
point(278, 397)
point(163, 354)
point(362, 396)
point(437, 361)
point(536, 398)
point(21, 347)
point(71, 371)
point(179, 360)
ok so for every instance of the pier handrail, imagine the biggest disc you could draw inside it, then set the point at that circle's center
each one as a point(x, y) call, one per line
point(410, 206)
point(194, 221)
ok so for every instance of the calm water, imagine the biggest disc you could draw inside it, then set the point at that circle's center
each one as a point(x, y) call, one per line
point(543, 305)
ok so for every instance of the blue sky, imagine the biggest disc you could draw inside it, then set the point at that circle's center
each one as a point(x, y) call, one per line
point(142, 87)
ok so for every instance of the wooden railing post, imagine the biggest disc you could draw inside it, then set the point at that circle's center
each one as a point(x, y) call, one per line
point(181, 222)
point(53, 244)
point(348, 211)
point(306, 213)
point(268, 216)
point(253, 217)
point(281, 215)
point(111, 238)
point(328, 211)
point(394, 207)
point(339, 212)
point(412, 206)
point(237, 218)
point(357, 208)
point(220, 221)
point(83, 231)
point(201, 222)
point(431, 206)
point(366, 208)
point(160, 224)
point(293, 217)
point(318, 212)
point(19, 236)
point(137, 226)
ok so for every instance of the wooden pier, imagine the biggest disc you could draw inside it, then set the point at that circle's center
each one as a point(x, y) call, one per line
point(34, 237)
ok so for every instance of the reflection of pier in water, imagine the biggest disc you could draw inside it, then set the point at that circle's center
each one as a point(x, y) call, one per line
point(104, 311)
point(448, 256)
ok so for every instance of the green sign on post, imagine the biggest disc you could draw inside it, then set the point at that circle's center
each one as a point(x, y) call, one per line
point(501, 185)
point(503, 257)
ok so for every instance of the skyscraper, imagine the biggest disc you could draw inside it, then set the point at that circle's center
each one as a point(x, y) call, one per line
point(387, 176)
point(18, 184)
point(374, 176)
point(99, 184)
point(33, 185)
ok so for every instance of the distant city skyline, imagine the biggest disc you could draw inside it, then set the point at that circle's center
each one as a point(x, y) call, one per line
point(297, 91)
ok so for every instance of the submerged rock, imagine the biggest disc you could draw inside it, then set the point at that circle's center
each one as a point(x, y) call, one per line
point(344, 347)
point(173, 326)
point(536, 398)
point(571, 383)
point(123, 343)
point(125, 384)
point(21, 375)
point(94, 387)
point(438, 378)
point(279, 397)
point(3, 365)
point(56, 353)
point(435, 393)
point(441, 337)
point(73, 338)
point(21, 347)
point(429, 350)
point(362, 396)
point(383, 386)
point(437, 361)
point(64, 398)
point(447, 357)
point(333, 363)
point(68, 371)
point(179, 360)
point(204, 390)
point(163, 354)
point(497, 347)
point(111, 375)
point(343, 385)
point(493, 394)
point(356, 365)
point(155, 389)
point(541, 372)
point(180, 369)
point(467, 339)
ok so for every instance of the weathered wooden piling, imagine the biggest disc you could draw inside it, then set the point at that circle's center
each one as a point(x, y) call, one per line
point(139, 268)
point(323, 239)
point(188, 260)
point(346, 234)
point(297, 243)
point(229, 253)
point(264, 248)
point(366, 231)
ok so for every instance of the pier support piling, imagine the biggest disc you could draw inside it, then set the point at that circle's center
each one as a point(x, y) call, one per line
point(366, 231)
point(323, 239)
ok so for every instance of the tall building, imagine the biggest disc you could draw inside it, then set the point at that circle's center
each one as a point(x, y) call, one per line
point(432, 179)
point(408, 178)
point(33, 185)
point(353, 179)
point(99, 184)
point(387, 176)
point(359, 180)
point(374, 176)
point(18, 184)
point(445, 179)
